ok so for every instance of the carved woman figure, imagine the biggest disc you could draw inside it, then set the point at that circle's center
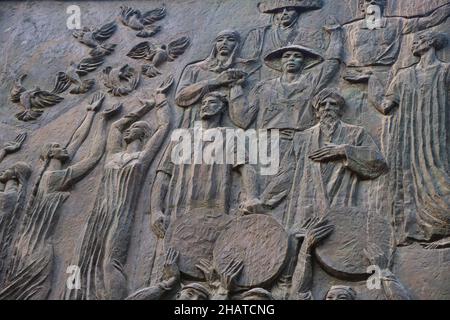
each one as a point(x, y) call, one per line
point(13, 183)
point(132, 146)
point(29, 271)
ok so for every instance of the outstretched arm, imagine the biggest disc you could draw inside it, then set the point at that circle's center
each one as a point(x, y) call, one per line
point(158, 196)
point(83, 130)
point(83, 167)
point(153, 145)
point(117, 128)
point(13, 146)
point(435, 18)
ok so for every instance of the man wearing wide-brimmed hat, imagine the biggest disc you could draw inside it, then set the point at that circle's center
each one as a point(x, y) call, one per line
point(284, 103)
point(283, 29)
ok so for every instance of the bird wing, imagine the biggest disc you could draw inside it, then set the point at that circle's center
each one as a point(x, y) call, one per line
point(17, 89)
point(89, 64)
point(177, 47)
point(143, 50)
point(126, 13)
point(154, 15)
point(62, 83)
point(43, 99)
point(105, 32)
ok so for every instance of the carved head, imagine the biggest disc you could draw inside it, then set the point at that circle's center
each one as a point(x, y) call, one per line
point(329, 105)
point(341, 293)
point(20, 172)
point(364, 4)
point(286, 17)
point(426, 40)
point(140, 130)
point(256, 294)
point(193, 291)
point(226, 42)
point(292, 59)
point(54, 151)
point(213, 104)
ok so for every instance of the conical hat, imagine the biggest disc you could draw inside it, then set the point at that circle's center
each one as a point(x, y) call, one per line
point(273, 59)
point(273, 6)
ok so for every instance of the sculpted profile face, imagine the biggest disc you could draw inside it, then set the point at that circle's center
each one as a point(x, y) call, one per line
point(55, 151)
point(138, 131)
point(427, 40)
point(225, 44)
point(213, 105)
point(286, 16)
point(341, 293)
point(292, 61)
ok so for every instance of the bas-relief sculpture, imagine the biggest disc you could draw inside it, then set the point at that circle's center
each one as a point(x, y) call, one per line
point(344, 197)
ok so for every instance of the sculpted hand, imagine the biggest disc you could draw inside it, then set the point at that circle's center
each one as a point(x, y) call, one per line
point(232, 271)
point(231, 76)
point(111, 112)
point(96, 101)
point(14, 146)
point(328, 153)
point(171, 269)
point(251, 206)
point(208, 270)
point(158, 224)
point(332, 25)
point(317, 231)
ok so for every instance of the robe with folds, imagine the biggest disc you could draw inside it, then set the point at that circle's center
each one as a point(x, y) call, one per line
point(321, 185)
point(416, 144)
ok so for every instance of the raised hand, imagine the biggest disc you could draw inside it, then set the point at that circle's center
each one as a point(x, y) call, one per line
point(330, 152)
point(111, 112)
point(96, 101)
point(229, 275)
point(171, 269)
point(316, 232)
point(14, 146)
point(208, 270)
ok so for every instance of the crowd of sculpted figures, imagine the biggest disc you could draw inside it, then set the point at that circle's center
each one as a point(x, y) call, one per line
point(333, 176)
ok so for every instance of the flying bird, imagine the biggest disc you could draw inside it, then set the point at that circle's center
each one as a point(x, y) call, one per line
point(73, 75)
point(158, 54)
point(142, 22)
point(33, 101)
point(121, 81)
point(95, 37)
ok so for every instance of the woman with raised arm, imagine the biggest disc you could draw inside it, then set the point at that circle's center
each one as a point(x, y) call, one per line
point(29, 271)
point(132, 146)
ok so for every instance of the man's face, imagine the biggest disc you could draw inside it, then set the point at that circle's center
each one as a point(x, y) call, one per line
point(328, 110)
point(190, 294)
point(7, 175)
point(422, 44)
point(338, 294)
point(211, 106)
point(293, 61)
point(225, 45)
point(133, 133)
point(287, 16)
point(58, 152)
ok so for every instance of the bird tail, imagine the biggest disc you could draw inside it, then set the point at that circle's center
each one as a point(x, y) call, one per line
point(29, 115)
point(149, 31)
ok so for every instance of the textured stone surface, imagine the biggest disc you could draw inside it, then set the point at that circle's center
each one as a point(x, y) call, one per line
point(52, 218)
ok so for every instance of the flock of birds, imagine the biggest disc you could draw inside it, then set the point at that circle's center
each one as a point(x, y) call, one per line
point(120, 81)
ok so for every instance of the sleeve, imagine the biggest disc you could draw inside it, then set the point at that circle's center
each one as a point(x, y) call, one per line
point(392, 287)
point(364, 158)
point(190, 91)
point(166, 165)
